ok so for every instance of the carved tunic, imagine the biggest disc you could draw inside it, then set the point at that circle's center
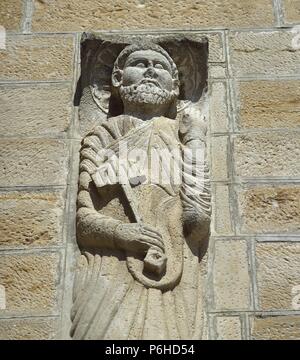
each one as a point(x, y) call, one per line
point(113, 297)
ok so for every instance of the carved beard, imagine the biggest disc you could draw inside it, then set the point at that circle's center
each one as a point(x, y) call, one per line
point(146, 93)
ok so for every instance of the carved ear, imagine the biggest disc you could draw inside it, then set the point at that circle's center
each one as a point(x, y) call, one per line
point(117, 77)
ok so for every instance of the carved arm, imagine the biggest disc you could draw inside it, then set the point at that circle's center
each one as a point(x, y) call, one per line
point(195, 191)
point(95, 230)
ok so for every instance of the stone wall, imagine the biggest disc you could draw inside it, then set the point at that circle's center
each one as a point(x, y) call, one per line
point(254, 78)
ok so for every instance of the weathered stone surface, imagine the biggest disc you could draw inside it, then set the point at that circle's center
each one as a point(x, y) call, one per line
point(270, 209)
point(268, 154)
point(219, 166)
point(217, 72)
point(28, 329)
point(221, 211)
point(269, 104)
point(216, 47)
point(278, 271)
point(35, 110)
point(164, 277)
point(228, 328)
point(70, 15)
point(33, 162)
point(218, 107)
point(37, 58)
point(11, 14)
point(276, 328)
point(230, 275)
point(31, 218)
point(263, 53)
point(291, 11)
point(31, 282)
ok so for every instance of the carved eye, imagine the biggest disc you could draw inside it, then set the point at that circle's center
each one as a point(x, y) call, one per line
point(159, 66)
point(140, 65)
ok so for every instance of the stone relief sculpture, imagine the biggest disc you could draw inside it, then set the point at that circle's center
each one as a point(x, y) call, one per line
point(142, 232)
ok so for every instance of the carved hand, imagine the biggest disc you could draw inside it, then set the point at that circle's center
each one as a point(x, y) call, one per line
point(192, 125)
point(195, 219)
point(138, 237)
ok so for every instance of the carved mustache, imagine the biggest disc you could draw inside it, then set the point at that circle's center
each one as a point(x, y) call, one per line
point(149, 81)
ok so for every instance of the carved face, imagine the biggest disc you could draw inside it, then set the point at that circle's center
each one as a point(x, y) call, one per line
point(146, 79)
point(148, 67)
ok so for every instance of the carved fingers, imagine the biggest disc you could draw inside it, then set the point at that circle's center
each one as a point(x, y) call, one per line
point(138, 237)
point(151, 237)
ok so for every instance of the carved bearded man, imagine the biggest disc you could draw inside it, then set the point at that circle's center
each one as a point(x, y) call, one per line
point(141, 242)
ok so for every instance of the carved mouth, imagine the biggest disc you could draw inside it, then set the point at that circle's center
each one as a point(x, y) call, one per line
point(150, 81)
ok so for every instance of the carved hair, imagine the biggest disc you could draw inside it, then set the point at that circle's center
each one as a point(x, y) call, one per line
point(122, 57)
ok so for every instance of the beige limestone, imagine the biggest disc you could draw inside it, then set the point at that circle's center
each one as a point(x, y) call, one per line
point(278, 271)
point(219, 166)
point(29, 57)
point(11, 14)
point(33, 221)
point(30, 282)
point(28, 329)
point(218, 107)
point(291, 11)
point(221, 211)
point(265, 209)
point(263, 53)
point(215, 47)
point(150, 279)
point(76, 15)
point(217, 72)
point(33, 162)
point(230, 275)
point(267, 154)
point(228, 328)
point(35, 110)
point(276, 328)
point(31, 218)
point(269, 104)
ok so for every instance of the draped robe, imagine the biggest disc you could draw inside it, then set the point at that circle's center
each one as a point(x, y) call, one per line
point(113, 297)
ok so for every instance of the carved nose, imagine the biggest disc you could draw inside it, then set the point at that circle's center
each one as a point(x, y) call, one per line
point(150, 72)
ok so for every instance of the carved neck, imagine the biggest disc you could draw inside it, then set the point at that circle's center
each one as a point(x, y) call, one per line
point(145, 111)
